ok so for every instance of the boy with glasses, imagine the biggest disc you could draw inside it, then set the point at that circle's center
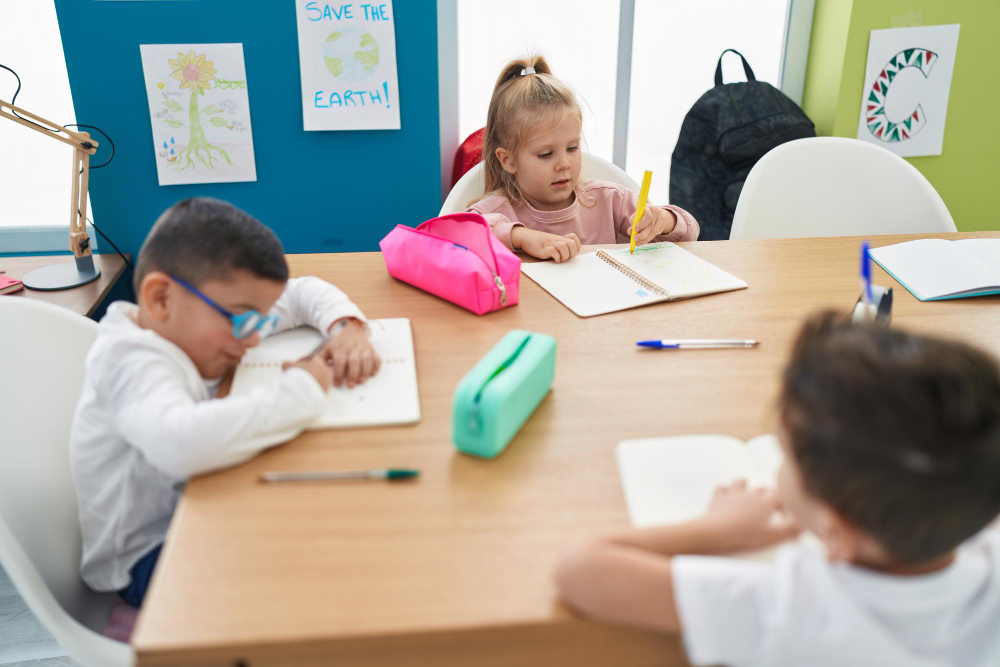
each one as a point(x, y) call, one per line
point(210, 282)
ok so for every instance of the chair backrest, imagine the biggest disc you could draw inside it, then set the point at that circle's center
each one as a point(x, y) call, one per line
point(471, 186)
point(834, 186)
point(42, 349)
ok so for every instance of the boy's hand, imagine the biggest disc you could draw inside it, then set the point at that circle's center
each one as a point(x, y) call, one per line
point(749, 519)
point(351, 354)
point(544, 245)
point(655, 221)
point(316, 366)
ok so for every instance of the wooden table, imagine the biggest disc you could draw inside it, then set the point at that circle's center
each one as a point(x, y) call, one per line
point(84, 299)
point(455, 569)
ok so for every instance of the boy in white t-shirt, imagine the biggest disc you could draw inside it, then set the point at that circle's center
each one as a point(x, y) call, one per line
point(892, 458)
point(210, 282)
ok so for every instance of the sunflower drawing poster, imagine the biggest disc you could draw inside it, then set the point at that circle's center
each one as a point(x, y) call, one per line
point(904, 103)
point(200, 112)
point(347, 61)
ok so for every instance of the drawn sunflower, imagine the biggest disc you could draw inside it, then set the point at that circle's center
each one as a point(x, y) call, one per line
point(194, 72)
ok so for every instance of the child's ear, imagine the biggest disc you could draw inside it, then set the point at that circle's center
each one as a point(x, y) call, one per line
point(155, 295)
point(842, 538)
point(506, 160)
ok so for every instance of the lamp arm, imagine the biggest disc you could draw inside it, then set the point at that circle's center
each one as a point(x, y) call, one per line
point(83, 148)
point(79, 140)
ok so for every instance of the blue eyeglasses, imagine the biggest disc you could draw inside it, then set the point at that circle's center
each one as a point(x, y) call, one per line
point(244, 324)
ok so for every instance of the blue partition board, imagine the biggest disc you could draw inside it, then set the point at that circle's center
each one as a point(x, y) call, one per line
point(319, 191)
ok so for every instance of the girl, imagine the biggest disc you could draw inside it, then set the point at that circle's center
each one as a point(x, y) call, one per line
point(534, 198)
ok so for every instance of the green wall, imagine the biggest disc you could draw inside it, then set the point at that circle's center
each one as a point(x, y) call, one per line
point(967, 171)
point(827, 46)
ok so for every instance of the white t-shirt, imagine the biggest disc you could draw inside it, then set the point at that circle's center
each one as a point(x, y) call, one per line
point(804, 610)
point(147, 421)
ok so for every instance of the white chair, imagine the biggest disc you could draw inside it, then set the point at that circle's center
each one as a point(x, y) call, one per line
point(42, 348)
point(472, 184)
point(834, 186)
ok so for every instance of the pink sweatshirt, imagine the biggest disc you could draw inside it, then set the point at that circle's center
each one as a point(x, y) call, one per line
point(599, 214)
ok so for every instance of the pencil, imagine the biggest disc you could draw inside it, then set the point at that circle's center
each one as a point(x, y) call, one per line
point(640, 209)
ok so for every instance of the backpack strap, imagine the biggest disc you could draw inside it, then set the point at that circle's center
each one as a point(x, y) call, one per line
point(746, 67)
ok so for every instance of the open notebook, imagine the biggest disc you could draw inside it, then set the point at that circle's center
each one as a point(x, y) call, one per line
point(390, 397)
point(671, 480)
point(934, 269)
point(606, 281)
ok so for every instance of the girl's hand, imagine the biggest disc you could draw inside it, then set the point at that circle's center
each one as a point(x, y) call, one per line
point(748, 519)
point(352, 356)
point(655, 221)
point(545, 246)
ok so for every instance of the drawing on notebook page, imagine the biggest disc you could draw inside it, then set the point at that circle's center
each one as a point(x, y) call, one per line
point(606, 281)
point(681, 270)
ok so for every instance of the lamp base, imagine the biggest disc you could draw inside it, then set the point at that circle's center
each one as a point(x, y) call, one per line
point(63, 276)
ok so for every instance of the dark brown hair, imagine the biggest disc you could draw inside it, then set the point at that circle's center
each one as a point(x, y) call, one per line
point(899, 433)
point(201, 239)
point(518, 104)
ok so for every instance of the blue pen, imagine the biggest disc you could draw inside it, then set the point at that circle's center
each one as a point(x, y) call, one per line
point(696, 343)
point(866, 274)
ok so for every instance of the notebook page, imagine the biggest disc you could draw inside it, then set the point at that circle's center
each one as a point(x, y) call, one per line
point(588, 285)
point(669, 480)
point(986, 251)
point(676, 270)
point(934, 268)
point(766, 456)
point(390, 397)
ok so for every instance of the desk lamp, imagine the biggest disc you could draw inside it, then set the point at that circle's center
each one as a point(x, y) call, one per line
point(65, 275)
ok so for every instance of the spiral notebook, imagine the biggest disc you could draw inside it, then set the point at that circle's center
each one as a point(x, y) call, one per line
point(606, 281)
point(390, 397)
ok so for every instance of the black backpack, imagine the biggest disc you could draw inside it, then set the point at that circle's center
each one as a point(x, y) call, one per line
point(727, 130)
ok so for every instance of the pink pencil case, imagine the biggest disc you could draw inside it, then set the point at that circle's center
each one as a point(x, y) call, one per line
point(457, 258)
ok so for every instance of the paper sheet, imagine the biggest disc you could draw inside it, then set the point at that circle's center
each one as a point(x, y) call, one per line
point(200, 111)
point(904, 103)
point(347, 60)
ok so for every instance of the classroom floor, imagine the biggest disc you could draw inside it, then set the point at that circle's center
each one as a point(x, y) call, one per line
point(23, 640)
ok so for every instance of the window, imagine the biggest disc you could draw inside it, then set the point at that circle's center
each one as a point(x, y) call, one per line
point(675, 47)
point(579, 39)
point(35, 174)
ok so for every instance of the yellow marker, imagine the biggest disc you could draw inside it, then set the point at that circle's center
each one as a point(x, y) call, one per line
point(640, 209)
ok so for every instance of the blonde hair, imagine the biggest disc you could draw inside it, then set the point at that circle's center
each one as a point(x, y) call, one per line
point(517, 103)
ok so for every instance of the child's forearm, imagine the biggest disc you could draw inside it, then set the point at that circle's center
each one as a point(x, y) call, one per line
point(619, 584)
point(700, 536)
point(626, 578)
point(311, 301)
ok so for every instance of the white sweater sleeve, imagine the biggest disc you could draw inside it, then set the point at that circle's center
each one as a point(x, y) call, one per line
point(314, 302)
point(182, 436)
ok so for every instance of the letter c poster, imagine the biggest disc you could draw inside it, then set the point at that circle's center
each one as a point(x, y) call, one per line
point(904, 104)
point(347, 60)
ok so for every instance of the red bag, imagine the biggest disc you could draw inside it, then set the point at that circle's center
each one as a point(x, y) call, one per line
point(468, 155)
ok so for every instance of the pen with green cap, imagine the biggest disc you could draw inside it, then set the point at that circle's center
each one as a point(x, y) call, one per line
point(389, 474)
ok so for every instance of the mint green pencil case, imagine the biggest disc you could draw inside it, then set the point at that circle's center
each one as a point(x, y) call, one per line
point(498, 395)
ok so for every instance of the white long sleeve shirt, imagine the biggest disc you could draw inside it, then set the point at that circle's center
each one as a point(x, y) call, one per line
point(147, 421)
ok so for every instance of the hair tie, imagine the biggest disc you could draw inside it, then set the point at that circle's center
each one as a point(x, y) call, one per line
point(527, 70)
